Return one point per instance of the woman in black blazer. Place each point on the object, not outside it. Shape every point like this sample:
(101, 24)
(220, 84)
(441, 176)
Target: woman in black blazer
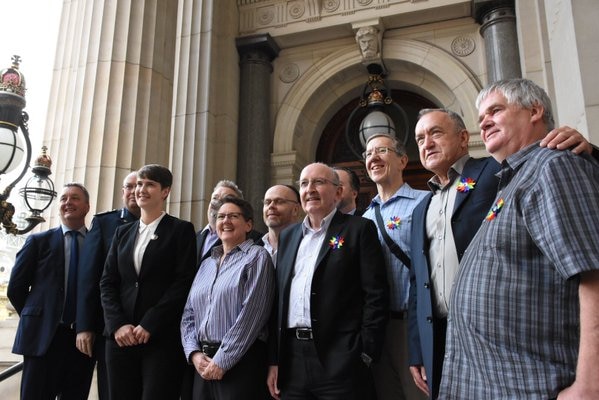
(144, 286)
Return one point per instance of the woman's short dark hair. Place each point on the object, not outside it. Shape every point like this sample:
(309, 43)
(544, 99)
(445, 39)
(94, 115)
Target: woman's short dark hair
(247, 211)
(156, 173)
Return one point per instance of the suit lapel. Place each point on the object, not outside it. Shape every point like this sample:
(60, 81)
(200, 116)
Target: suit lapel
(295, 238)
(472, 169)
(334, 230)
(161, 232)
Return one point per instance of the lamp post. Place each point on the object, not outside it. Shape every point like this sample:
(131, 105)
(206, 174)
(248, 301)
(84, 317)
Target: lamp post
(39, 192)
(374, 108)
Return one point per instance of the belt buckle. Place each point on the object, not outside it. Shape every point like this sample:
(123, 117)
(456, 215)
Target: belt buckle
(303, 334)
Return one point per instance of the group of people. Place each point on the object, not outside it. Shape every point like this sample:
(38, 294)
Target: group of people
(486, 286)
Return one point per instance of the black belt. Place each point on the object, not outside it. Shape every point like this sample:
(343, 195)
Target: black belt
(403, 314)
(210, 349)
(301, 333)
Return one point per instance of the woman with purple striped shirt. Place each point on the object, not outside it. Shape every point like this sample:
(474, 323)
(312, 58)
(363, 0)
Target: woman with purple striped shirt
(224, 324)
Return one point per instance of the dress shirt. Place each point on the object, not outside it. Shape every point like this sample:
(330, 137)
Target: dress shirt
(211, 238)
(514, 317)
(442, 253)
(400, 205)
(229, 303)
(67, 250)
(145, 234)
(303, 271)
(271, 250)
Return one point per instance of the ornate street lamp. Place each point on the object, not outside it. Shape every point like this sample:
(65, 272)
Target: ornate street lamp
(374, 108)
(39, 190)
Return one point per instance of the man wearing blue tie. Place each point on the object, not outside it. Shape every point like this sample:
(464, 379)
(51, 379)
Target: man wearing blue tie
(43, 290)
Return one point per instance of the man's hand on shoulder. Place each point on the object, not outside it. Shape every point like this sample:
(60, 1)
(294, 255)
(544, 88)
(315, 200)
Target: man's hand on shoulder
(564, 137)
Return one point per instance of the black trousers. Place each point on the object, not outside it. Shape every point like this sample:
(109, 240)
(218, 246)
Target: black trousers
(63, 371)
(245, 381)
(150, 371)
(101, 370)
(307, 379)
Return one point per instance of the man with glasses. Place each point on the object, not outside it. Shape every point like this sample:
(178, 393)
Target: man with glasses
(93, 255)
(385, 159)
(331, 309)
(281, 209)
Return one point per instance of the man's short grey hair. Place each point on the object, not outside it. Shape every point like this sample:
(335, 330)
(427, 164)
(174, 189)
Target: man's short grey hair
(523, 93)
(455, 117)
(231, 185)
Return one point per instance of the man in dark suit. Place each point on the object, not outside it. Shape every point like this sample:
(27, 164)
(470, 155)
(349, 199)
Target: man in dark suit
(329, 320)
(443, 225)
(43, 290)
(90, 316)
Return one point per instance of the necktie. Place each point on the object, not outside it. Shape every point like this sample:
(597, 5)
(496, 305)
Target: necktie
(70, 305)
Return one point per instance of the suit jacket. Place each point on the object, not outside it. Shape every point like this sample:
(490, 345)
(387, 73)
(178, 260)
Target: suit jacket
(349, 295)
(470, 209)
(36, 289)
(90, 316)
(154, 299)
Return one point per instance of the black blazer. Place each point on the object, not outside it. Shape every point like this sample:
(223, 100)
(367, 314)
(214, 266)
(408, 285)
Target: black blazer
(349, 303)
(90, 316)
(468, 213)
(36, 289)
(154, 299)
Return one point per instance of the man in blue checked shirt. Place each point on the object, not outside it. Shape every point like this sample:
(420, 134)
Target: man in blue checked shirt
(385, 159)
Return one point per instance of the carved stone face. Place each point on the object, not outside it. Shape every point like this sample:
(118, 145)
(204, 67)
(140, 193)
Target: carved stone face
(367, 39)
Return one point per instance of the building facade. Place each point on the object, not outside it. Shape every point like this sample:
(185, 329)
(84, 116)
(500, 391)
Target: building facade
(253, 90)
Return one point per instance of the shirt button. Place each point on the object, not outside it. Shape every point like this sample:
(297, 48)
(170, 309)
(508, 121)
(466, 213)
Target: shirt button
(440, 237)
(440, 211)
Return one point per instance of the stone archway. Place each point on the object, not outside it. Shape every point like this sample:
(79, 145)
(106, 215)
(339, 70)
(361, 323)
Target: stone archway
(337, 78)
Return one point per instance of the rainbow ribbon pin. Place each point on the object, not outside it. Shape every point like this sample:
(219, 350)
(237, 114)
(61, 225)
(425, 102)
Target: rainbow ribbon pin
(495, 210)
(466, 185)
(336, 242)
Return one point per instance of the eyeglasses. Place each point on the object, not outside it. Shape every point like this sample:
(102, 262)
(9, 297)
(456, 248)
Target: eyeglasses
(277, 202)
(378, 151)
(304, 183)
(232, 216)
(129, 187)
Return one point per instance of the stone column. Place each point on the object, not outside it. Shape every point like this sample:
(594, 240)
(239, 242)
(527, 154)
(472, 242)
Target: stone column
(255, 133)
(111, 98)
(498, 28)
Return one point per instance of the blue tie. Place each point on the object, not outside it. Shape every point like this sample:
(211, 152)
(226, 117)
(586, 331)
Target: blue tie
(70, 304)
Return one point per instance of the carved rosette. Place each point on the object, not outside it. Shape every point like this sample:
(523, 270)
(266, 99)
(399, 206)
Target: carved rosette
(265, 15)
(463, 46)
(289, 73)
(296, 9)
(330, 5)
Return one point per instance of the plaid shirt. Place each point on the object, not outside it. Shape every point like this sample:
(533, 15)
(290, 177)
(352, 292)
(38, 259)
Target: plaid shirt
(514, 311)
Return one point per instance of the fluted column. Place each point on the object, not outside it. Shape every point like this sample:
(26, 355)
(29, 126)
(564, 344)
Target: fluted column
(111, 95)
(255, 132)
(498, 28)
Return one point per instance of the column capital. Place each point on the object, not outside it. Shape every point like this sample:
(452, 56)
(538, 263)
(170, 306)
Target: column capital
(482, 8)
(263, 43)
